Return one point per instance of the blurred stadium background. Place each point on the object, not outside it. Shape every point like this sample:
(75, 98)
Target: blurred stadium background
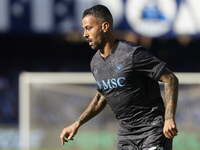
(46, 36)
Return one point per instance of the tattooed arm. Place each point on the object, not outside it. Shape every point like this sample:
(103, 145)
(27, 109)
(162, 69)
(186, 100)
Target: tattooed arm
(171, 86)
(95, 107)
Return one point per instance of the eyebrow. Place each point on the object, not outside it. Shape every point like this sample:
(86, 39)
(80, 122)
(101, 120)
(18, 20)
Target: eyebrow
(84, 27)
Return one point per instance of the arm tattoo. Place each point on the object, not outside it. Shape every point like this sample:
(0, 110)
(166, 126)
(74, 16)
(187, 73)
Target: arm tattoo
(95, 107)
(171, 95)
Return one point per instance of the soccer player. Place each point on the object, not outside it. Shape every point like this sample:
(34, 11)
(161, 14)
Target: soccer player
(127, 78)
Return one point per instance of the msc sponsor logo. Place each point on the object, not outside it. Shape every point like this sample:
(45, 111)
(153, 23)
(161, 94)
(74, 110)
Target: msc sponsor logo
(111, 83)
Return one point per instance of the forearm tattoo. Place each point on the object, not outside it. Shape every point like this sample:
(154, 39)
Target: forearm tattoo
(171, 96)
(96, 106)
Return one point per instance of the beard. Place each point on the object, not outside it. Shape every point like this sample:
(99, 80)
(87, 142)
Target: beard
(97, 46)
(99, 43)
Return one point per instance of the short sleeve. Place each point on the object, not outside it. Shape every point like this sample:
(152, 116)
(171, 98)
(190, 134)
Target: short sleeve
(144, 63)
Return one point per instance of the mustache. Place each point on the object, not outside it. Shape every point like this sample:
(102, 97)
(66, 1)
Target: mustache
(88, 39)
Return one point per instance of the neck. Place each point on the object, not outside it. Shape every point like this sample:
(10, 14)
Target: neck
(108, 47)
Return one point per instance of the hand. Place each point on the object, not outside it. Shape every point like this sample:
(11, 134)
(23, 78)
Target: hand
(170, 129)
(68, 133)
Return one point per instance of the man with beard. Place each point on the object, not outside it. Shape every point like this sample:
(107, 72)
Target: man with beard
(127, 80)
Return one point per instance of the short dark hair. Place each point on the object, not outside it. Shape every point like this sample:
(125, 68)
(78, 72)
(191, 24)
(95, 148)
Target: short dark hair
(101, 14)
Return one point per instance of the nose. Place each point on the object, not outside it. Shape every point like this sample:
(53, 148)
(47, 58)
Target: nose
(85, 34)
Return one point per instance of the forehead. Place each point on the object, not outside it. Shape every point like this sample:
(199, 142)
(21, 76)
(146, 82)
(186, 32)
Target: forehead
(89, 20)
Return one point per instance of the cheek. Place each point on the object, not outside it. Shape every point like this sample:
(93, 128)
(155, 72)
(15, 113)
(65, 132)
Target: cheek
(99, 36)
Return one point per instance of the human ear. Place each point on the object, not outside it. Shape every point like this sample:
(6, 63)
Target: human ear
(105, 26)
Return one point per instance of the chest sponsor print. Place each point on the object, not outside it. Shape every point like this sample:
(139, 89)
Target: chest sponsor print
(111, 83)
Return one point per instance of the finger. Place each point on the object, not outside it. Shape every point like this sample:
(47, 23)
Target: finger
(167, 135)
(70, 137)
(65, 140)
(174, 131)
(172, 134)
(62, 141)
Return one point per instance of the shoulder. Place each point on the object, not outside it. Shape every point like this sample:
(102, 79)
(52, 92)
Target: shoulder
(127, 49)
(128, 46)
(127, 43)
(134, 48)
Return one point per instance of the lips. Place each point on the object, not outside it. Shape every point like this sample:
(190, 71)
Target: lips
(90, 41)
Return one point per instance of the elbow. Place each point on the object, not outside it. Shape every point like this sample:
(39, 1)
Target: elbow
(175, 79)
(172, 80)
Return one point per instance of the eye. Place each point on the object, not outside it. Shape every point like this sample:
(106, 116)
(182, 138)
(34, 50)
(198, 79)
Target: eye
(88, 28)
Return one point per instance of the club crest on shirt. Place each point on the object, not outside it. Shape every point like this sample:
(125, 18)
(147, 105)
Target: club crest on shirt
(118, 67)
(95, 71)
